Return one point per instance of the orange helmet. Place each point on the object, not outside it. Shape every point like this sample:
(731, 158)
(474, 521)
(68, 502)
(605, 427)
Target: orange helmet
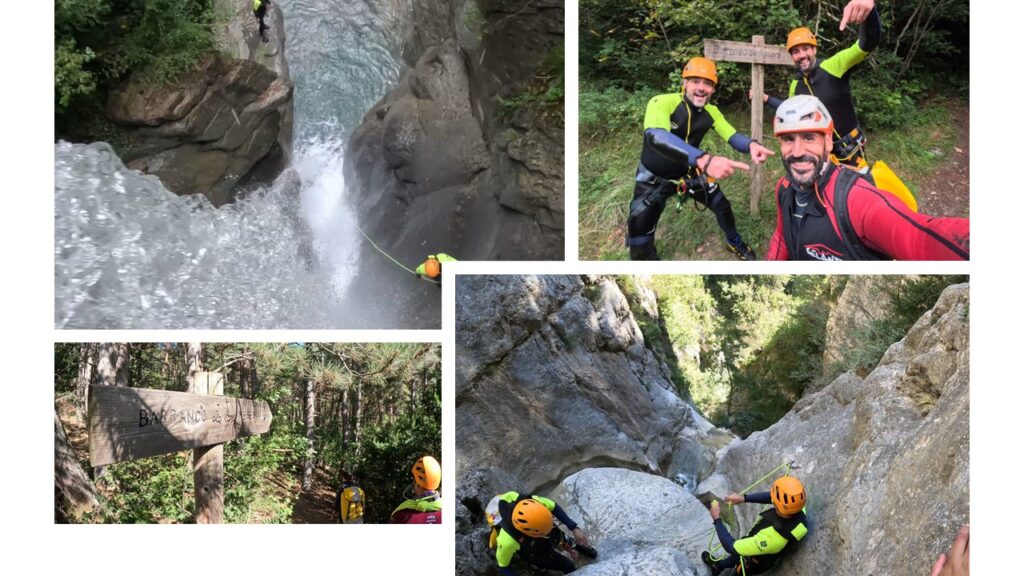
(788, 495)
(532, 518)
(432, 266)
(800, 36)
(426, 472)
(700, 67)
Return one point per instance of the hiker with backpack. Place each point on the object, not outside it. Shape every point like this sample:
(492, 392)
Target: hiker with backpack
(830, 212)
(524, 526)
(349, 501)
(424, 505)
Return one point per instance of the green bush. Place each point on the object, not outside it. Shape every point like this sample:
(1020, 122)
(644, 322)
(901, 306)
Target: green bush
(100, 43)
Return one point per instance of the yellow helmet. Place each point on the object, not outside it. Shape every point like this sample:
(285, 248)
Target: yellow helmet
(532, 518)
(700, 67)
(426, 472)
(800, 36)
(788, 495)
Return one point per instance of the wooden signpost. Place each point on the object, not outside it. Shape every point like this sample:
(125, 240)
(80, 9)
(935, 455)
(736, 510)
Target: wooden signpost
(130, 423)
(757, 54)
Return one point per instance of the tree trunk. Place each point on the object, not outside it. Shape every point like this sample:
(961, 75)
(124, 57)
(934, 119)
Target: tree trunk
(109, 357)
(193, 361)
(307, 472)
(247, 375)
(69, 478)
(86, 362)
(359, 415)
(208, 461)
(344, 416)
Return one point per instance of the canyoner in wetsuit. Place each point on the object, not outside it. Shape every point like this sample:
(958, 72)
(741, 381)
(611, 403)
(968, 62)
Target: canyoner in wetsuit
(829, 80)
(674, 126)
(525, 528)
(425, 505)
(776, 533)
(431, 267)
(827, 211)
(259, 10)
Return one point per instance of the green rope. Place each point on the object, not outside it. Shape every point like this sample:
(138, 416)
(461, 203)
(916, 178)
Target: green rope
(711, 536)
(388, 256)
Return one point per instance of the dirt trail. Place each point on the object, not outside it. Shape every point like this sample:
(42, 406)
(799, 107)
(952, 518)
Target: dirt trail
(946, 192)
(316, 505)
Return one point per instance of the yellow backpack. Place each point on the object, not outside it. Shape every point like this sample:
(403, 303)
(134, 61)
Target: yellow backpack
(352, 505)
(886, 179)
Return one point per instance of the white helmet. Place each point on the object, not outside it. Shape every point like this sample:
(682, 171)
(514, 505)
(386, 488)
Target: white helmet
(802, 113)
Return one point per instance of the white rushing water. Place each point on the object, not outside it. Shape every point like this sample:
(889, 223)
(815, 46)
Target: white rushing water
(131, 254)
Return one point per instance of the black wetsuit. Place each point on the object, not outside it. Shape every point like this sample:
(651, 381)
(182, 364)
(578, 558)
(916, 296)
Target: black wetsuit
(688, 124)
(829, 81)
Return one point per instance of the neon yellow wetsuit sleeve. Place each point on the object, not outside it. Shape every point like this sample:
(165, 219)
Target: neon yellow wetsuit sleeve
(838, 64)
(721, 125)
(842, 62)
(507, 548)
(767, 541)
(660, 109)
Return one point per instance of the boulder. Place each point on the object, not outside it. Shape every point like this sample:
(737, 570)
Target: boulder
(553, 376)
(217, 125)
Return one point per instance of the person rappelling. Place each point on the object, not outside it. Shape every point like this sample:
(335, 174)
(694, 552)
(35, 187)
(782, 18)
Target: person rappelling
(778, 531)
(431, 267)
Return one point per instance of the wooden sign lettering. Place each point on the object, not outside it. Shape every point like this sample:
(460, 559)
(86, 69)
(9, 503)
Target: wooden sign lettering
(727, 51)
(131, 423)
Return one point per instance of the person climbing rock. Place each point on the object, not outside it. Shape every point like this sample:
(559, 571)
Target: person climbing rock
(425, 505)
(349, 501)
(431, 267)
(776, 533)
(259, 9)
(526, 528)
(674, 127)
(829, 80)
(828, 211)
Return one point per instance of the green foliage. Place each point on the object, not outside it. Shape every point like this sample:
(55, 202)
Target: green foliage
(100, 43)
(612, 109)
(909, 298)
(70, 77)
(746, 346)
(150, 490)
(642, 44)
(248, 464)
(389, 453)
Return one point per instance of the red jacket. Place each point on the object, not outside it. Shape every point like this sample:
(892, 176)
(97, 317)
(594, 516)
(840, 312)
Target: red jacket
(882, 222)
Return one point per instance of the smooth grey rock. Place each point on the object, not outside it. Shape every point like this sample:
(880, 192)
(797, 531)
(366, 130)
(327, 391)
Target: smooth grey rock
(438, 165)
(885, 459)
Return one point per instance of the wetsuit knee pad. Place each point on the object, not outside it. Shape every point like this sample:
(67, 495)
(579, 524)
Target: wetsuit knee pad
(717, 201)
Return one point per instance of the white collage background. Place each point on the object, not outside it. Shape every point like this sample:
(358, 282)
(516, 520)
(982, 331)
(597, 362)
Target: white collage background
(33, 543)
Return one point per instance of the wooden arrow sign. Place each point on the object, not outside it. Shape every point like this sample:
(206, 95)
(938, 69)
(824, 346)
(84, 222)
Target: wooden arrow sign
(727, 51)
(131, 423)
